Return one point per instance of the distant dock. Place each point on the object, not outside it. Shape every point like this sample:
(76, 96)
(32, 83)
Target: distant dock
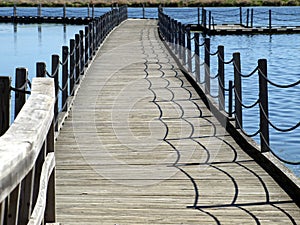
(46, 19)
(234, 29)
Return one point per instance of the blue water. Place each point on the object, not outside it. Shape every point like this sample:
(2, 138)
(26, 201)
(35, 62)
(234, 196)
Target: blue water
(24, 45)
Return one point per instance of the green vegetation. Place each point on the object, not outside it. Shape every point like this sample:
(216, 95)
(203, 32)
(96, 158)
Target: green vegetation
(152, 3)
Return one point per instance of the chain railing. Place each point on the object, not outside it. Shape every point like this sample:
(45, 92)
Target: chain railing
(179, 38)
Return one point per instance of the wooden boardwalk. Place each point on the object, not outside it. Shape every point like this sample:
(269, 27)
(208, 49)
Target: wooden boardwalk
(140, 147)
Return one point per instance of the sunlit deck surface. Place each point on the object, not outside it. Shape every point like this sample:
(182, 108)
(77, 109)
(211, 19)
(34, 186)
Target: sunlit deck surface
(140, 147)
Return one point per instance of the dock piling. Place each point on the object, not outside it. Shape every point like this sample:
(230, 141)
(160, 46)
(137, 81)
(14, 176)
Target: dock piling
(263, 106)
(20, 83)
(55, 75)
(197, 57)
(237, 90)
(5, 83)
(65, 64)
(221, 77)
(207, 64)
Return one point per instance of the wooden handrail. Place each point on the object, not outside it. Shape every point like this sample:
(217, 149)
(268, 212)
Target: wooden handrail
(24, 141)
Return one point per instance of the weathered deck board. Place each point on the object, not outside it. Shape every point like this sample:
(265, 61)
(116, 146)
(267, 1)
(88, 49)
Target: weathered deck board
(140, 147)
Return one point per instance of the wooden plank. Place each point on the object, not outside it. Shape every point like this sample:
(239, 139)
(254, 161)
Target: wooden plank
(140, 147)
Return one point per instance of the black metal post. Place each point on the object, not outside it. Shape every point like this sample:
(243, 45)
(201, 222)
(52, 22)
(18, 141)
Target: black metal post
(65, 51)
(221, 77)
(72, 66)
(86, 45)
(81, 52)
(77, 58)
(241, 16)
(5, 83)
(197, 57)
(20, 97)
(247, 23)
(270, 19)
(230, 99)
(207, 65)
(251, 18)
(40, 69)
(55, 74)
(264, 105)
(238, 90)
(189, 48)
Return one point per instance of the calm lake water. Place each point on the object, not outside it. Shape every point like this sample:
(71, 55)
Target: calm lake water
(24, 45)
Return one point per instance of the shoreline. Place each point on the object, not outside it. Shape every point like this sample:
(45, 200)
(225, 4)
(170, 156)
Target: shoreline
(152, 3)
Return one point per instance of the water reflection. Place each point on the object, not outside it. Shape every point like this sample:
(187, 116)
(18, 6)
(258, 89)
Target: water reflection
(40, 35)
(65, 32)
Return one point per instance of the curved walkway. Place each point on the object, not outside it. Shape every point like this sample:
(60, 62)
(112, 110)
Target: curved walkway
(140, 147)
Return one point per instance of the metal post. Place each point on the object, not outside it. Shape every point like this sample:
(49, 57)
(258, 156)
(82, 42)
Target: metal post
(5, 83)
(207, 65)
(40, 69)
(179, 40)
(15, 10)
(55, 74)
(93, 11)
(241, 16)
(168, 29)
(91, 40)
(143, 11)
(221, 77)
(183, 44)
(270, 19)
(172, 30)
(77, 58)
(189, 48)
(209, 21)
(88, 10)
(238, 89)
(97, 33)
(95, 37)
(198, 10)
(202, 19)
(86, 45)
(65, 65)
(197, 57)
(230, 99)
(64, 11)
(39, 10)
(247, 22)
(176, 36)
(251, 18)
(204, 23)
(72, 66)
(81, 52)
(20, 82)
(264, 108)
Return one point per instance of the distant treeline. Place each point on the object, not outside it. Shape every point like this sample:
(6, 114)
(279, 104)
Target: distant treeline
(151, 3)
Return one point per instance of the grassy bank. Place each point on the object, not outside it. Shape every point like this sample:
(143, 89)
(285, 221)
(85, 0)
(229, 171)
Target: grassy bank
(151, 3)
